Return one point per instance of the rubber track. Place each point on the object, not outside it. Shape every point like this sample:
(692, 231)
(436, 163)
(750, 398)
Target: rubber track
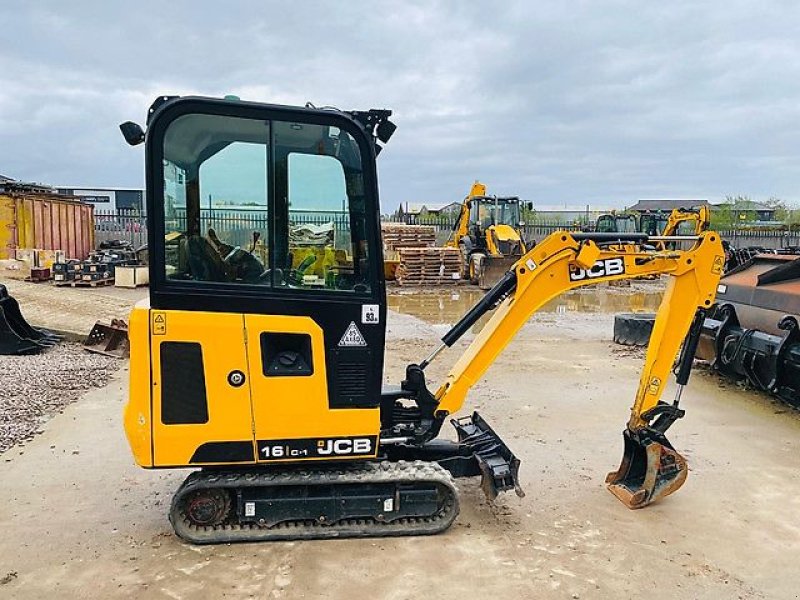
(383, 472)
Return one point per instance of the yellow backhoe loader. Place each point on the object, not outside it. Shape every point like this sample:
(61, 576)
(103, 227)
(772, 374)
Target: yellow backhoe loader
(267, 382)
(488, 236)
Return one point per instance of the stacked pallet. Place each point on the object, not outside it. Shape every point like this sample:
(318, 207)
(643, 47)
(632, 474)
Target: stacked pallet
(428, 266)
(398, 235)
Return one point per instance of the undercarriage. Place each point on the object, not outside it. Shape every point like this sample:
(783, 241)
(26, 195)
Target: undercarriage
(372, 499)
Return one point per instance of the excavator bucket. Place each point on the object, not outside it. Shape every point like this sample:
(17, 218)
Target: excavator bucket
(111, 340)
(17, 336)
(650, 469)
(492, 270)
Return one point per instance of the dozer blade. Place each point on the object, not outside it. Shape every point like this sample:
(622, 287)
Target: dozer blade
(111, 340)
(650, 469)
(498, 465)
(493, 268)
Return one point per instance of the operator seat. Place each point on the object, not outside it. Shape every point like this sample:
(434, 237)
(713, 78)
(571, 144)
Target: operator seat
(205, 263)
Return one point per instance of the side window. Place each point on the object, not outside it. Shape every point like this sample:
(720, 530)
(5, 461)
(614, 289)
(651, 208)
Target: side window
(216, 200)
(325, 219)
(268, 203)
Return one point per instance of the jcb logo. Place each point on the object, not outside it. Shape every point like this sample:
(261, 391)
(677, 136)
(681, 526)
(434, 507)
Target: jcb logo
(609, 266)
(344, 447)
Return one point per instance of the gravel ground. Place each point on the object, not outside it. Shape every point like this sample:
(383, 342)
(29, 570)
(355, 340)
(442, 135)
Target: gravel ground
(34, 388)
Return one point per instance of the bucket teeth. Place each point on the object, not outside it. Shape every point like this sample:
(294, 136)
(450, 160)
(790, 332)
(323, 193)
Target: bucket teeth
(650, 469)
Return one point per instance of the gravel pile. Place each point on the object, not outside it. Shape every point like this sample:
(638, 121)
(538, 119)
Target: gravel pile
(34, 388)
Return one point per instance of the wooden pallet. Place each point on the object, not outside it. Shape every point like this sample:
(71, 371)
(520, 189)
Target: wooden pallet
(80, 283)
(428, 266)
(397, 235)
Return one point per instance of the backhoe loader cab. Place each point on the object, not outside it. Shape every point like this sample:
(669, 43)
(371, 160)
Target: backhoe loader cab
(258, 359)
(613, 223)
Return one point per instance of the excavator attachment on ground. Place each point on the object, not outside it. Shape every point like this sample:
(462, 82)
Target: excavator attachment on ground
(753, 333)
(17, 336)
(258, 359)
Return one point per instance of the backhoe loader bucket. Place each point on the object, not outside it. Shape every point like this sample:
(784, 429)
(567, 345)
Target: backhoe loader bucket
(111, 340)
(650, 469)
(492, 270)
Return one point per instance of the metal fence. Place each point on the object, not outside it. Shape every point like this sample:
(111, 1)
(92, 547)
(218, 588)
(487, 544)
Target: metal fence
(128, 225)
(764, 239)
(236, 226)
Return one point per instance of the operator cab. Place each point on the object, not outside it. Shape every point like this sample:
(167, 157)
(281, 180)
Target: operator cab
(610, 223)
(485, 211)
(272, 205)
(259, 209)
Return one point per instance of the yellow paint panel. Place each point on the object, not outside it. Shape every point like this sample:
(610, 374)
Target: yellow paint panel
(221, 336)
(137, 410)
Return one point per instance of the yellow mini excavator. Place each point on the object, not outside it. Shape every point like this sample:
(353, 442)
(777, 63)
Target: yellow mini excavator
(488, 236)
(262, 371)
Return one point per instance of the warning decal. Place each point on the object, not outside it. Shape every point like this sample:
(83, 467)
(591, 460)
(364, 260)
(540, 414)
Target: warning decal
(352, 337)
(159, 323)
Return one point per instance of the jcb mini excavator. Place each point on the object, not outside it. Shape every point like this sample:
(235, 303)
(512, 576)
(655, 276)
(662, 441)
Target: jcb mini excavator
(488, 236)
(267, 382)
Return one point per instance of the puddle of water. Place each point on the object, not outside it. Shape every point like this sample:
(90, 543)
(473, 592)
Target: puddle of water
(443, 306)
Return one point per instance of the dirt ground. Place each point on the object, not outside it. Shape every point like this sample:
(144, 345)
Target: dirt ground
(79, 520)
(71, 310)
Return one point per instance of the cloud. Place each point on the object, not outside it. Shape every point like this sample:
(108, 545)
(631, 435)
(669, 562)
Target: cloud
(582, 102)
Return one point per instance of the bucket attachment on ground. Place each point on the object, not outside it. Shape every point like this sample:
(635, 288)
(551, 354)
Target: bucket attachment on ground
(111, 340)
(498, 465)
(17, 336)
(650, 469)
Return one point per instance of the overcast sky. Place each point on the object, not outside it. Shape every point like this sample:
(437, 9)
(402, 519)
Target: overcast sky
(599, 102)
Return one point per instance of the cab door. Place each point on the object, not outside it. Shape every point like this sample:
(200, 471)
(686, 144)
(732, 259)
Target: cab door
(293, 416)
(201, 398)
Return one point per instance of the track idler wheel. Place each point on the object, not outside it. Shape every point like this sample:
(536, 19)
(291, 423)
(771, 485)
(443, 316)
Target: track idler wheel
(207, 508)
(650, 469)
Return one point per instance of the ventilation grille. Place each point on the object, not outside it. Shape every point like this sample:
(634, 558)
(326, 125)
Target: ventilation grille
(351, 381)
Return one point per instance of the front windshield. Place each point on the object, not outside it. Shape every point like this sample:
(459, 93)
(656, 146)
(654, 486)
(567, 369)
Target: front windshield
(499, 211)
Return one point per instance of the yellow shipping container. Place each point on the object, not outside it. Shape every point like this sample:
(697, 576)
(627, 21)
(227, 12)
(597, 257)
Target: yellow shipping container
(45, 222)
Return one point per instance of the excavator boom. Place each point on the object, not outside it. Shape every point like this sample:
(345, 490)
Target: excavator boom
(650, 468)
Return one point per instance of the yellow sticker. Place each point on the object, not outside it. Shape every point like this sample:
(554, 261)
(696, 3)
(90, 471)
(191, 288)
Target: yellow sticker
(159, 323)
(655, 383)
(719, 263)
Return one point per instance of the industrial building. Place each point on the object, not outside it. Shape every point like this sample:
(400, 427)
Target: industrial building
(107, 199)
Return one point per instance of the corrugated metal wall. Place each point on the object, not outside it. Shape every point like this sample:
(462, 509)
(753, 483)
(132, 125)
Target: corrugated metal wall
(45, 222)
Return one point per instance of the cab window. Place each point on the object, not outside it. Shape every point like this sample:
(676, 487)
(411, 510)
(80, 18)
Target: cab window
(265, 203)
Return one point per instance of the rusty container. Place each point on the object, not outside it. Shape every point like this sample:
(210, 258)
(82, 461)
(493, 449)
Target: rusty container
(45, 222)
